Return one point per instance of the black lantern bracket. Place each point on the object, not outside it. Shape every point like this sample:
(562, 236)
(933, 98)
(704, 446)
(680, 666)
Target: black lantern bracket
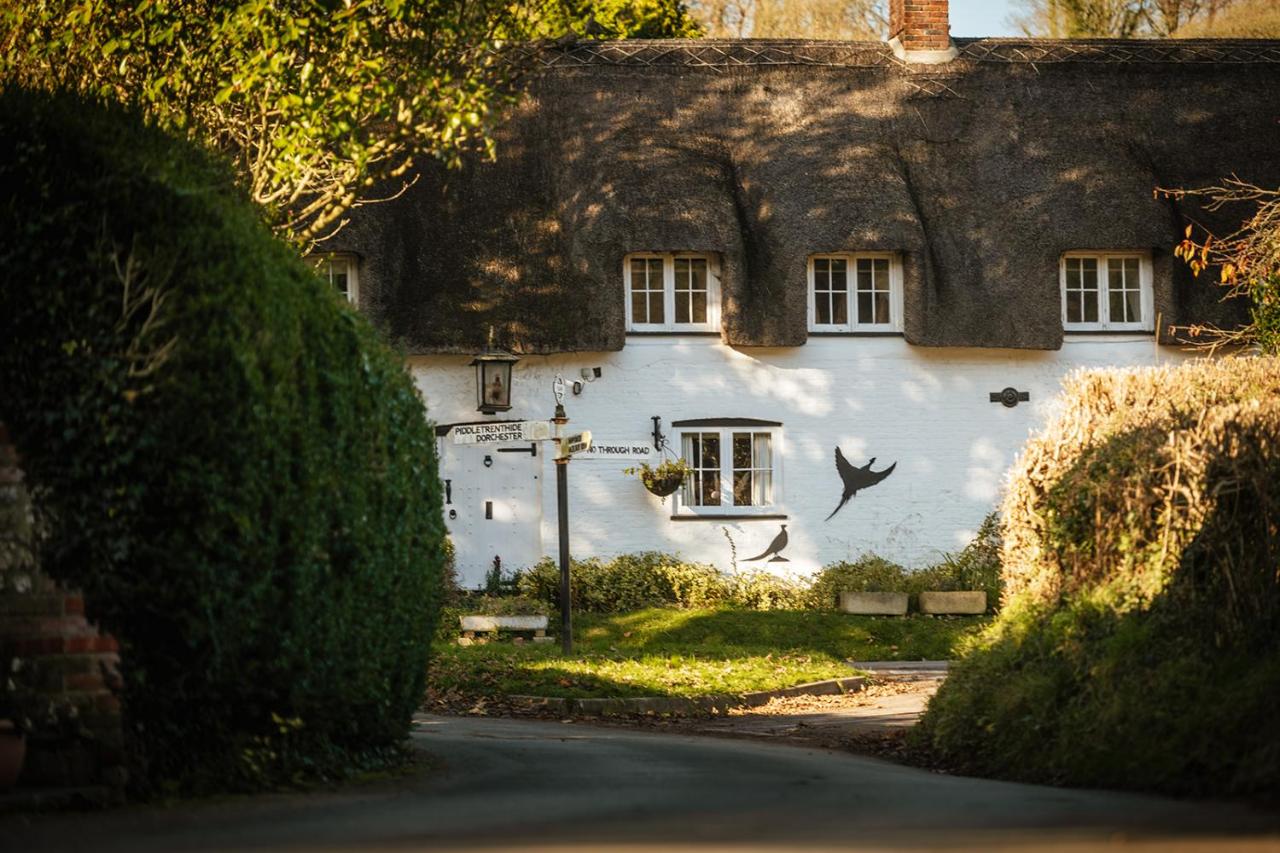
(658, 438)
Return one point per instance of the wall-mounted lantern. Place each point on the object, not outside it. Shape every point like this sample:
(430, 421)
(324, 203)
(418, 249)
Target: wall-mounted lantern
(493, 378)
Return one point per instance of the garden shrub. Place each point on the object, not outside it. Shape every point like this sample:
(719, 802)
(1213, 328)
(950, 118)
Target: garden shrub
(761, 590)
(629, 582)
(1139, 644)
(976, 567)
(868, 573)
(228, 462)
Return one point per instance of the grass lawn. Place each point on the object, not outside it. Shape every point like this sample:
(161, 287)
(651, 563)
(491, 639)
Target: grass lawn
(665, 652)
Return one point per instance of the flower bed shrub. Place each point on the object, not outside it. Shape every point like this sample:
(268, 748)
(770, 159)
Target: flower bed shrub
(868, 573)
(229, 463)
(1138, 645)
(653, 579)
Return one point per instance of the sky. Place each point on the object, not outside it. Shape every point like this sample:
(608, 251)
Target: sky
(981, 18)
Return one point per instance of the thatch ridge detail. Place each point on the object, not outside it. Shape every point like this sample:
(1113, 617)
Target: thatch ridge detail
(728, 53)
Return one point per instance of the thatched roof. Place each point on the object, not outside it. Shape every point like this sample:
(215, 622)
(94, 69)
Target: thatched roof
(980, 172)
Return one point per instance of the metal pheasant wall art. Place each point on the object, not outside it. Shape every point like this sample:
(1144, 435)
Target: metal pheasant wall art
(856, 479)
(775, 549)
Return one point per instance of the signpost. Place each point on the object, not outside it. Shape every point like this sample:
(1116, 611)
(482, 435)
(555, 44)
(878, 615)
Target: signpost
(499, 433)
(621, 451)
(568, 445)
(575, 443)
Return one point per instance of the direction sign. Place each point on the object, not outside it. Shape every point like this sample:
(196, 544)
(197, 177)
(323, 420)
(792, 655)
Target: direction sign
(575, 443)
(498, 433)
(640, 450)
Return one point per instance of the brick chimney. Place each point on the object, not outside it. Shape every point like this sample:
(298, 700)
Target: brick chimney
(920, 31)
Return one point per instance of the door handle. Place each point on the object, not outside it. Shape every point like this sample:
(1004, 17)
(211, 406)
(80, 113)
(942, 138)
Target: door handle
(488, 509)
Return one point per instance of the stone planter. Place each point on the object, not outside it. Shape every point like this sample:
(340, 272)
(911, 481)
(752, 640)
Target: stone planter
(874, 603)
(954, 603)
(483, 624)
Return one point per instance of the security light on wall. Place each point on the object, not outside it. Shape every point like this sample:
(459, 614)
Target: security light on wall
(493, 378)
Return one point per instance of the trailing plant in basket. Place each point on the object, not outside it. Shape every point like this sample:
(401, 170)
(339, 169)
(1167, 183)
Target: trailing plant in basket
(663, 479)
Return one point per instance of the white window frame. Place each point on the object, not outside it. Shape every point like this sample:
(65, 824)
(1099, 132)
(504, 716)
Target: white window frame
(669, 293)
(323, 267)
(855, 324)
(1104, 324)
(726, 472)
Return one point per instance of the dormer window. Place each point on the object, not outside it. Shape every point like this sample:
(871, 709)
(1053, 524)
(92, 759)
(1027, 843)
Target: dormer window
(855, 293)
(1107, 292)
(672, 292)
(340, 271)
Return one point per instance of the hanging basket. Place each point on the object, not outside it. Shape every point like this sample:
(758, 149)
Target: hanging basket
(664, 486)
(664, 479)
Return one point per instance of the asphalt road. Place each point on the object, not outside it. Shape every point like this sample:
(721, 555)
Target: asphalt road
(525, 785)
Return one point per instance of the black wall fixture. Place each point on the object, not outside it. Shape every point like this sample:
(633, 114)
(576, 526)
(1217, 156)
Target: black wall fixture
(856, 479)
(1010, 397)
(658, 438)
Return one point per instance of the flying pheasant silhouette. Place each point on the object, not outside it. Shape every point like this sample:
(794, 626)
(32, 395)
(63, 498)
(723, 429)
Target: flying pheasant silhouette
(857, 478)
(775, 547)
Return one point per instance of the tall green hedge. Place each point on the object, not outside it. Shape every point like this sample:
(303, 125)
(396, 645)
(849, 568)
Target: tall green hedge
(225, 458)
(1140, 643)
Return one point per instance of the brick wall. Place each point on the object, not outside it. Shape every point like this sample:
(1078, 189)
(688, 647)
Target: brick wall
(920, 24)
(69, 669)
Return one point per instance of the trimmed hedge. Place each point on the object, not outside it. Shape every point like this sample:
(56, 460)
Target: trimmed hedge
(1140, 643)
(225, 457)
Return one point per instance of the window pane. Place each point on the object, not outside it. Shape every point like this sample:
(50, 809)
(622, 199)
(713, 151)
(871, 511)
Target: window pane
(1090, 303)
(657, 311)
(1117, 305)
(840, 304)
(762, 495)
(821, 268)
(864, 276)
(865, 310)
(822, 308)
(638, 306)
(882, 306)
(1133, 300)
(742, 465)
(1115, 276)
(639, 279)
(682, 274)
(682, 304)
(699, 314)
(702, 453)
(1075, 306)
(839, 274)
(881, 267)
(698, 272)
(1089, 273)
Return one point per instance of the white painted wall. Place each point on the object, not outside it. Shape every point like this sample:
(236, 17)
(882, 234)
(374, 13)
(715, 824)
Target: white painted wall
(925, 408)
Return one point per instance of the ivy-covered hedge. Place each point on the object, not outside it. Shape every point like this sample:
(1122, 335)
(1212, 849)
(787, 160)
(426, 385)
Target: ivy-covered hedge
(225, 458)
(1139, 645)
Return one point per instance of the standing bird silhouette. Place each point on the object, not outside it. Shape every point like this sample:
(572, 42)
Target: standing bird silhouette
(856, 478)
(775, 547)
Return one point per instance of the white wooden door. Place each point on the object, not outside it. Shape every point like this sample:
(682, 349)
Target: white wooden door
(493, 506)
